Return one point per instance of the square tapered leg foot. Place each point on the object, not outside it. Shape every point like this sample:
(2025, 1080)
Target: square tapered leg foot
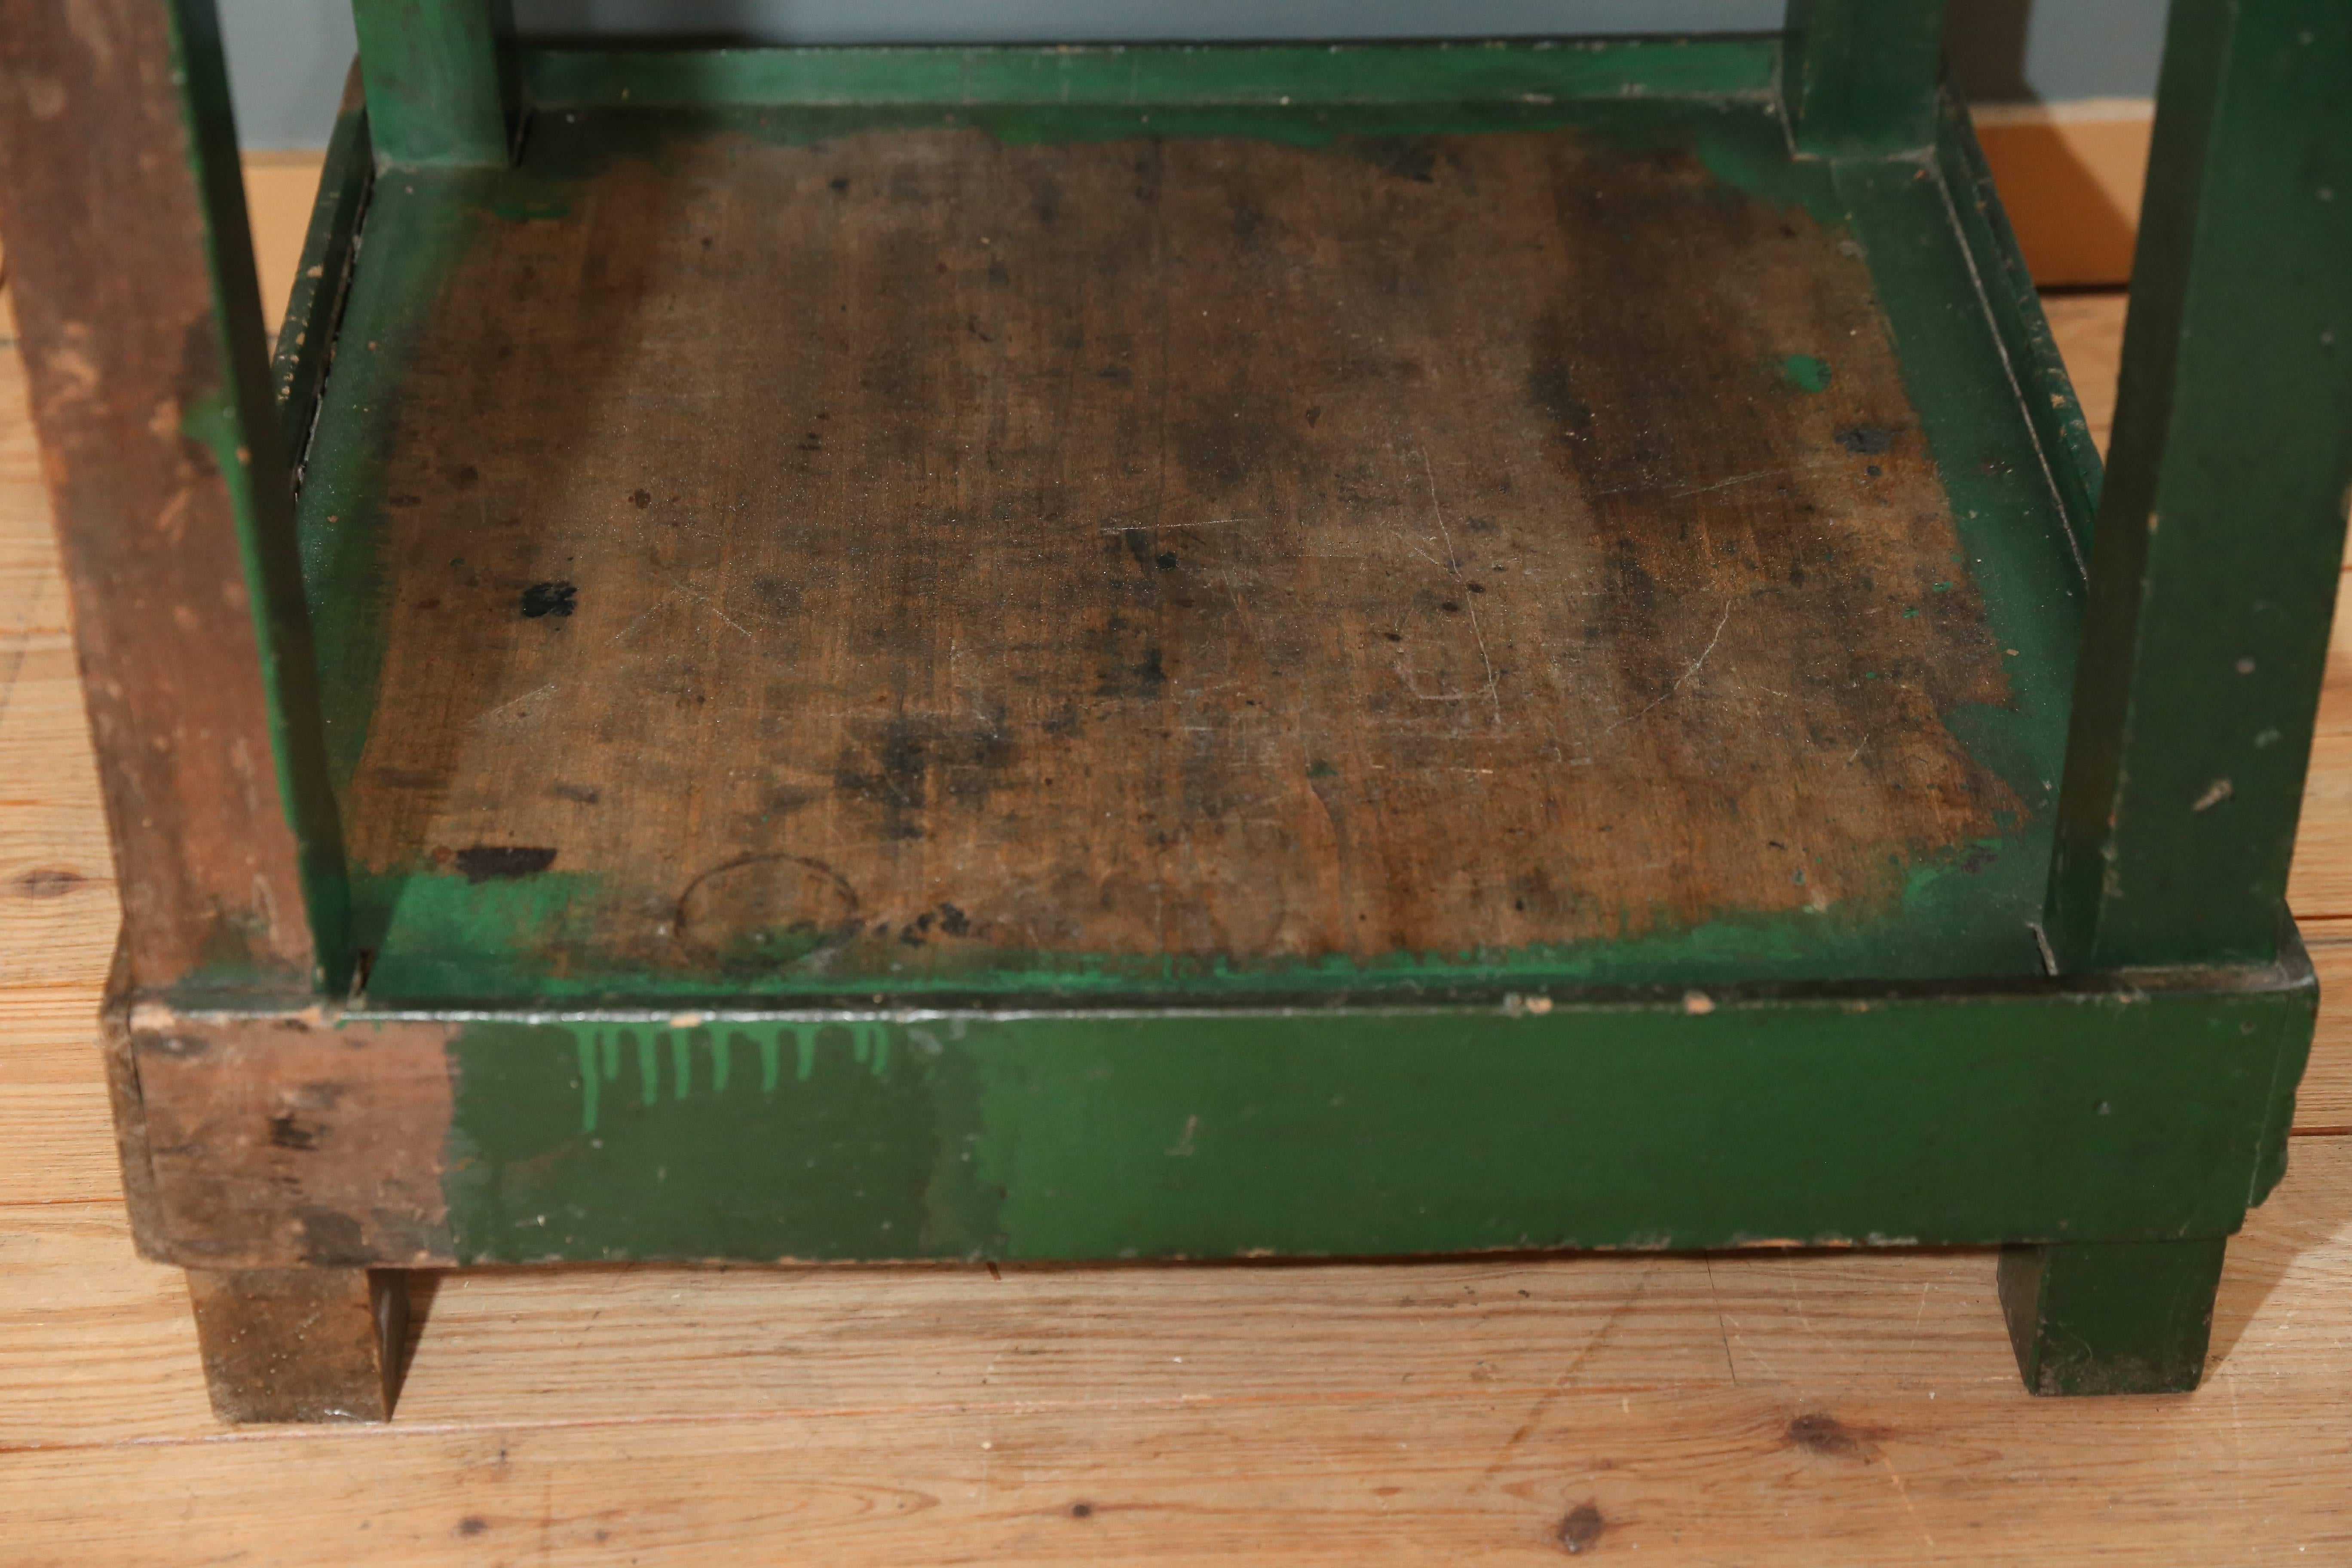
(300, 1344)
(2111, 1317)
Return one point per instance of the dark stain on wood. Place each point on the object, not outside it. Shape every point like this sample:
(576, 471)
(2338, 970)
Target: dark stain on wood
(275, 1142)
(1825, 1434)
(1214, 548)
(1580, 1529)
(49, 882)
(501, 862)
(550, 599)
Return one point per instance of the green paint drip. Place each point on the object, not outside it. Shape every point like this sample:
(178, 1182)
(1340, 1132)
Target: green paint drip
(681, 1060)
(1805, 372)
(857, 1043)
(769, 1046)
(648, 1068)
(588, 1083)
(611, 1048)
(881, 1049)
(720, 1064)
(804, 1036)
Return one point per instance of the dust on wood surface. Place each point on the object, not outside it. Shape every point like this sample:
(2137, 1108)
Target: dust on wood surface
(940, 547)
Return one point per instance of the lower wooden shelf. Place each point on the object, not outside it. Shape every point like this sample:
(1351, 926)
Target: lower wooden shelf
(1178, 551)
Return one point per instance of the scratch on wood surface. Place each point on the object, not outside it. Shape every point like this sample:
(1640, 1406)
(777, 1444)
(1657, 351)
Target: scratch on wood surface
(1205, 522)
(1469, 601)
(1722, 1327)
(1559, 1384)
(512, 701)
(1681, 680)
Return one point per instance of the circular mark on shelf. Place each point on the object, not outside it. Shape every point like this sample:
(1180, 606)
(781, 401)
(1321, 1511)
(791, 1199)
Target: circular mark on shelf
(766, 909)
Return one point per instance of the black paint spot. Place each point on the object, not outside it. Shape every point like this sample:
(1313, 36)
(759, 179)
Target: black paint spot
(1865, 440)
(48, 882)
(1082, 1510)
(1478, 588)
(1580, 1531)
(548, 599)
(1314, 418)
(1449, 607)
(1393, 637)
(641, 499)
(498, 862)
(286, 1133)
(472, 1524)
(466, 477)
(1166, 563)
(954, 921)
(1873, 470)
(893, 766)
(838, 185)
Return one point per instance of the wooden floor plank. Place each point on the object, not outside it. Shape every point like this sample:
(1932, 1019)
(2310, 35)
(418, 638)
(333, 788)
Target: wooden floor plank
(1759, 1410)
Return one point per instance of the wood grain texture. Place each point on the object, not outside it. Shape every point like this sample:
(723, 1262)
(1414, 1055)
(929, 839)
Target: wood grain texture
(1777, 1409)
(2324, 1100)
(1261, 559)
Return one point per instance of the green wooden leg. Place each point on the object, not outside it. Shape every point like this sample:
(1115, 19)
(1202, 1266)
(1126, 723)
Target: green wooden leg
(2111, 1317)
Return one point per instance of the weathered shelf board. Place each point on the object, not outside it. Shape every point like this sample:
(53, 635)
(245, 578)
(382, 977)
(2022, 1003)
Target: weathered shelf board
(1207, 551)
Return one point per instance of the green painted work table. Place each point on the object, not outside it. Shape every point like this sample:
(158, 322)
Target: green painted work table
(1184, 653)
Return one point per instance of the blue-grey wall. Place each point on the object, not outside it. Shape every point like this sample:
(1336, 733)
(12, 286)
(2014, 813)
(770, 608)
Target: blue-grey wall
(286, 57)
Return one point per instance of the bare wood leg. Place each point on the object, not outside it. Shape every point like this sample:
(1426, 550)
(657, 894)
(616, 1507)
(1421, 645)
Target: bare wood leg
(300, 1344)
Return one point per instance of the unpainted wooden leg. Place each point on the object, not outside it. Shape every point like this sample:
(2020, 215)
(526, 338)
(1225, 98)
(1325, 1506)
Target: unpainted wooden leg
(300, 1344)
(2111, 1317)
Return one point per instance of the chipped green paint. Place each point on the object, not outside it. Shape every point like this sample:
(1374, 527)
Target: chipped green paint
(1806, 372)
(2026, 1111)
